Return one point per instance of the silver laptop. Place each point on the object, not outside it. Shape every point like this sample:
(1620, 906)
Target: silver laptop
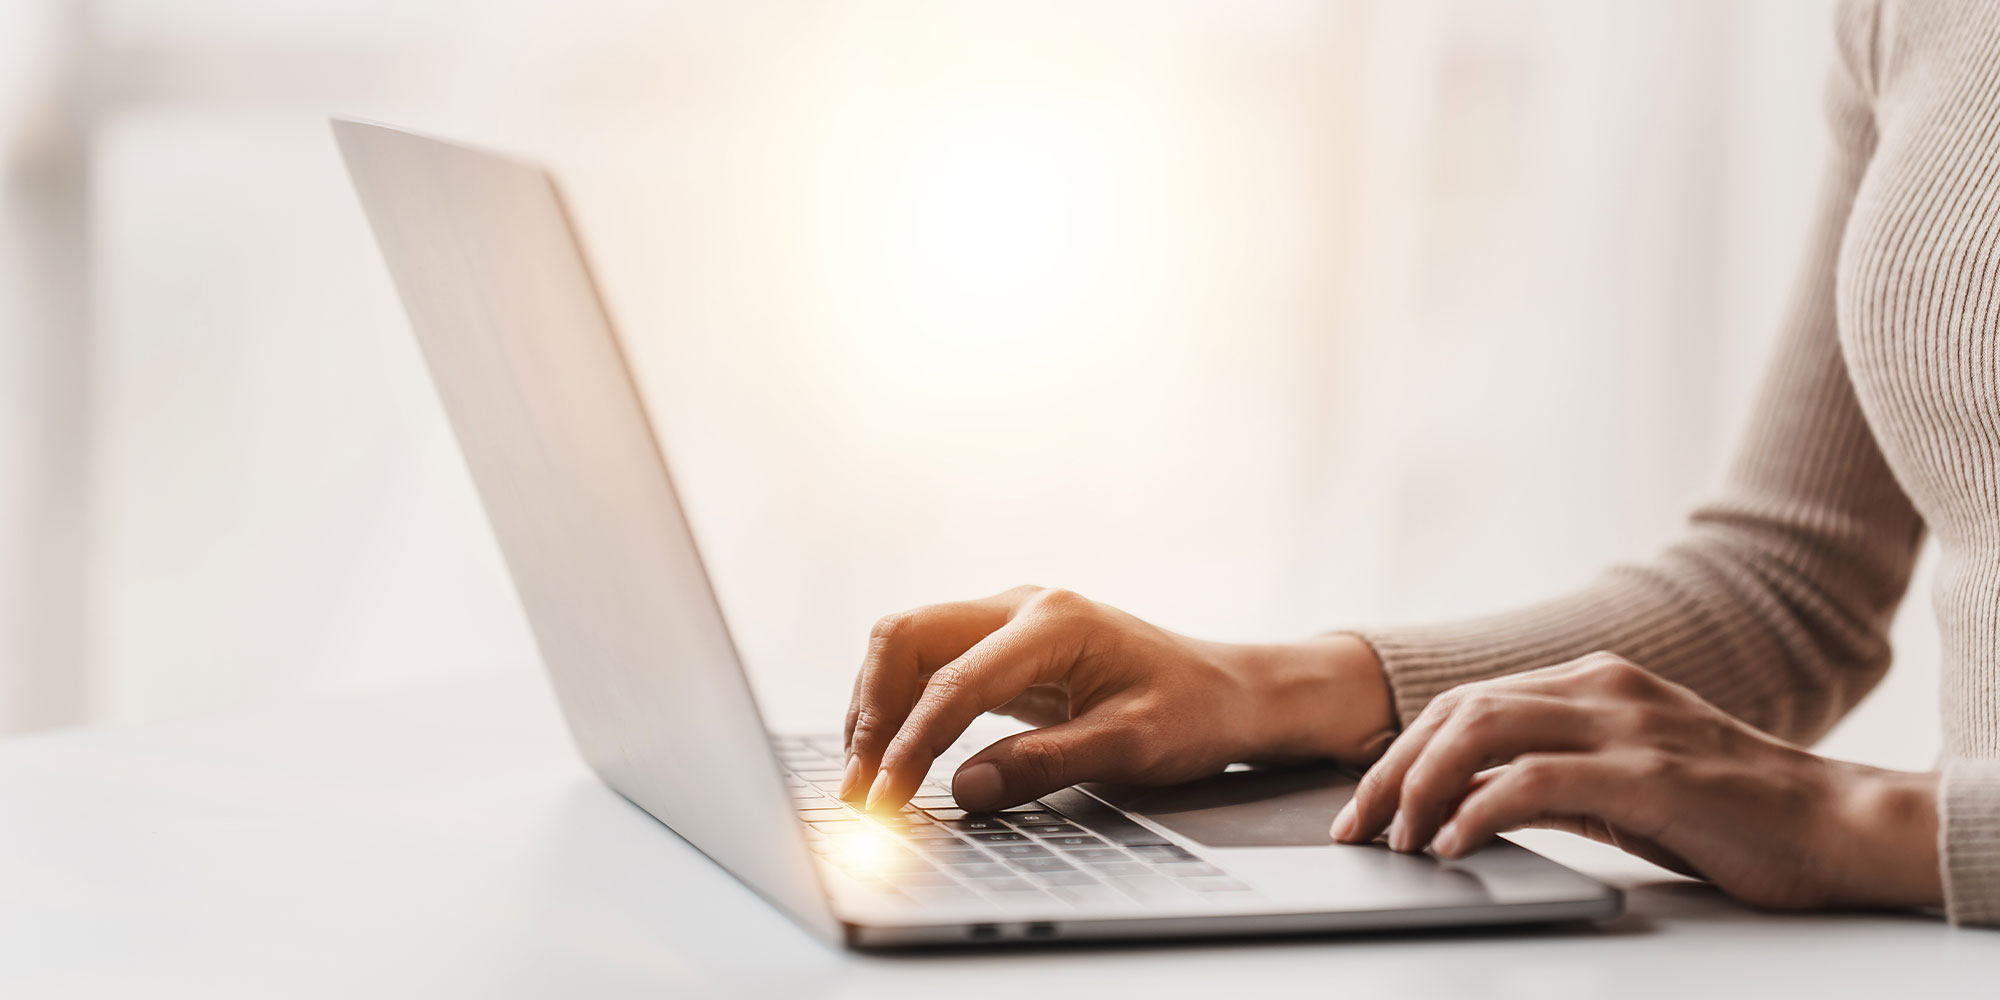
(543, 403)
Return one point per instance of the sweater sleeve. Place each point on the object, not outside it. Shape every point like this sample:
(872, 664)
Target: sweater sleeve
(1775, 602)
(1969, 840)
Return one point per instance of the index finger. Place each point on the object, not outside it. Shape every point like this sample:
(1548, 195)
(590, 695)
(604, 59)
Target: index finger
(902, 650)
(1028, 650)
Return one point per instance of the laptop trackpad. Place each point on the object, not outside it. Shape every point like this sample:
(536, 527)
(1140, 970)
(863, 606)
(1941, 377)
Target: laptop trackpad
(1255, 807)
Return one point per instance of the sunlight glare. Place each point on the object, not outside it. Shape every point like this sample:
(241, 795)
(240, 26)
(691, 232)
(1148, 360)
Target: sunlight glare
(869, 849)
(986, 228)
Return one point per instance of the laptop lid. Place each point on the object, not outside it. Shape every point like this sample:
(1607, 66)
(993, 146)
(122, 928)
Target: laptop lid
(539, 395)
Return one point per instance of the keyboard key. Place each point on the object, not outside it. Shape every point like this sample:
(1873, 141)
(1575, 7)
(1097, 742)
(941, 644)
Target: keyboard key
(1132, 835)
(1081, 843)
(1163, 854)
(809, 792)
(1007, 885)
(1098, 855)
(812, 813)
(976, 824)
(838, 825)
(818, 774)
(939, 813)
(1020, 851)
(1118, 869)
(928, 832)
(999, 837)
(1035, 806)
(902, 879)
(1040, 865)
(934, 802)
(957, 858)
(1150, 889)
(982, 869)
(1051, 830)
(1071, 877)
(1027, 819)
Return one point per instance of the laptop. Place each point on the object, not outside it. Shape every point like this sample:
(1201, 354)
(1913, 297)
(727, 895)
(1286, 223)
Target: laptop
(538, 391)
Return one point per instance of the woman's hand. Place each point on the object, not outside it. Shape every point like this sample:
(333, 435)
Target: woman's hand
(1116, 699)
(1602, 747)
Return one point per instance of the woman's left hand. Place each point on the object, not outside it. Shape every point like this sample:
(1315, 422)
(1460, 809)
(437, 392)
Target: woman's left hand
(1604, 748)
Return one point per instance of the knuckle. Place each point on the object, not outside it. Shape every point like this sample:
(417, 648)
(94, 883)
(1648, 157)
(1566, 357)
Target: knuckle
(867, 725)
(889, 630)
(1420, 786)
(1370, 784)
(1533, 776)
(1040, 757)
(950, 683)
(1478, 715)
(1444, 704)
(1061, 603)
(1654, 766)
(1617, 674)
(1635, 722)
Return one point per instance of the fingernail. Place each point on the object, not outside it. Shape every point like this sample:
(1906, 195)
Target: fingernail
(977, 786)
(877, 790)
(1343, 824)
(1397, 838)
(849, 778)
(1446, 841)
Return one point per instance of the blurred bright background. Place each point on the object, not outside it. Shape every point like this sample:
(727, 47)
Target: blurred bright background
(1256, 318)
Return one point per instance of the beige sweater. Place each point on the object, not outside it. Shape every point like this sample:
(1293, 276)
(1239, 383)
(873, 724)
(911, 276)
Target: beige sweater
(1879, 418)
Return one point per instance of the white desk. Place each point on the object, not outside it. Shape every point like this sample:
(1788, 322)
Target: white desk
(446, 842)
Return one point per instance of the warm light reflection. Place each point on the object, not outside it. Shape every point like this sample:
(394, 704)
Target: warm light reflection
(866, 849)
(980, 231)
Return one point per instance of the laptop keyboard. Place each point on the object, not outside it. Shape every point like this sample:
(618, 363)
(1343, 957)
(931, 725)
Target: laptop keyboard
(1067, 846)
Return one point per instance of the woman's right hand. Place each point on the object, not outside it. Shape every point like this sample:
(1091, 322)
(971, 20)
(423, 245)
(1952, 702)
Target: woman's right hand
(1115, 699)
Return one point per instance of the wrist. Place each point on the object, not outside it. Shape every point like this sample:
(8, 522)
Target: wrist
(1324, 697)
(1890, 822)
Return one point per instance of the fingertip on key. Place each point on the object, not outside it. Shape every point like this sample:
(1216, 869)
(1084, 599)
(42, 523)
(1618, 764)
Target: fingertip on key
(1343, 824)
(850, 779)
(1447, 842)
(877, 791)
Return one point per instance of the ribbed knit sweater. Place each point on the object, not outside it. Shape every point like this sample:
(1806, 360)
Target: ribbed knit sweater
(1878, 419)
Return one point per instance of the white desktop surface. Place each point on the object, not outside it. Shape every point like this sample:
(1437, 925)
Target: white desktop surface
(445, 841)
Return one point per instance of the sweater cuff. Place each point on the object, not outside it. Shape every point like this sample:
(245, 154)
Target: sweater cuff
(1969, 840)
(1419, 665)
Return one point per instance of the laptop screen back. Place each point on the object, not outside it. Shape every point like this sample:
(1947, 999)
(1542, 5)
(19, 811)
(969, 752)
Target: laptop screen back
(572, 478)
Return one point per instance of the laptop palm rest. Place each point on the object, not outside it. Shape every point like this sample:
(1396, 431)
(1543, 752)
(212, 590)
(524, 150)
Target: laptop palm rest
(1253, 807)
